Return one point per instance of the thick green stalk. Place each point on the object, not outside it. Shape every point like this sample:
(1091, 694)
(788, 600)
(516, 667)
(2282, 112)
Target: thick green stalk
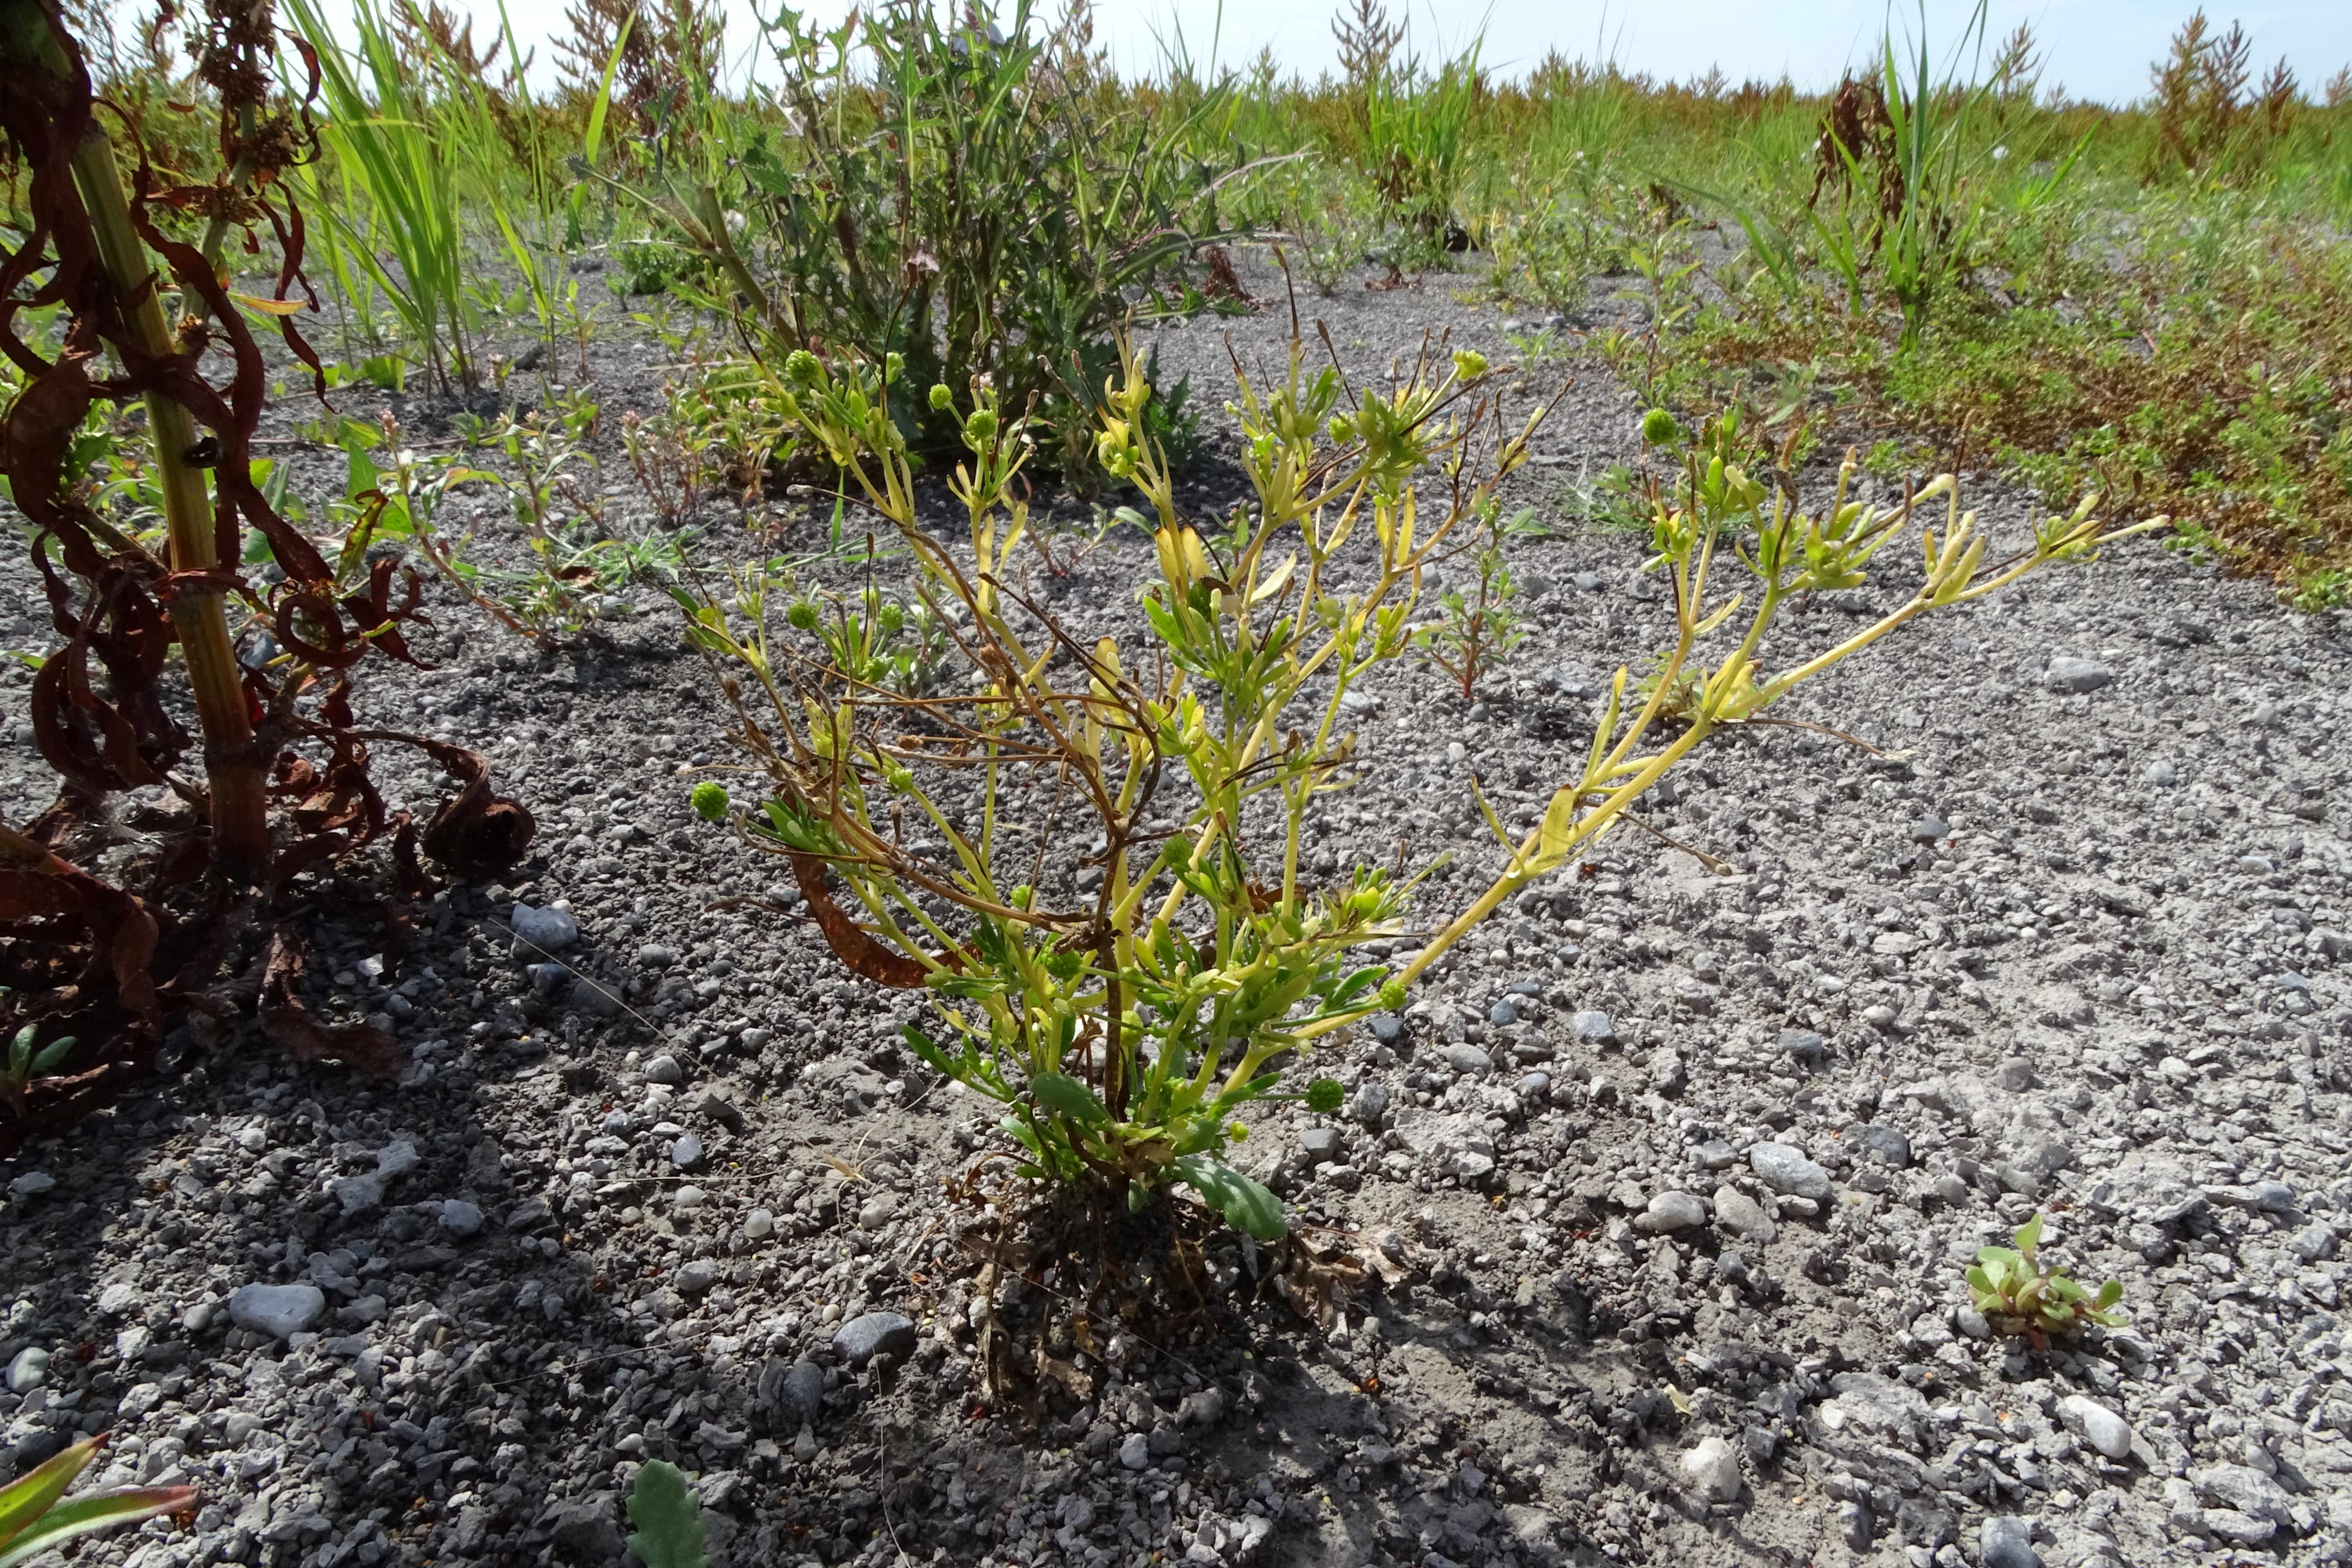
(233, 766)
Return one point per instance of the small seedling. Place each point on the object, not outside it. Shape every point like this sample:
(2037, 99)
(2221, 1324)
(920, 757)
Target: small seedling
(668, 1520)
(2016, 1291)
(27, 1062)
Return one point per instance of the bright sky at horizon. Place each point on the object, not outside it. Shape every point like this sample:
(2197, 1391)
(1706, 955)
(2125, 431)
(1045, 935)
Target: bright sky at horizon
(2099, 49)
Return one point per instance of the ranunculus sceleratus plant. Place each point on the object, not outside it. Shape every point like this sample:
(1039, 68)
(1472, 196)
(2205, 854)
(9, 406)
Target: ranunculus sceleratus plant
(1128, 1028)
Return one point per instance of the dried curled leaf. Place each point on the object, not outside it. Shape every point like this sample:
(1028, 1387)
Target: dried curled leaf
(290, 1023)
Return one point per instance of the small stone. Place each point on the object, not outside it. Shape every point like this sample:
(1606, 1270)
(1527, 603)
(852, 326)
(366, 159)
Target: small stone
(587, 996)
(653, 955)
(2313, 1241)
(798, 1392)
(2245, 1490)
(29, 1369)
(1468, 1060)
(1712, 1470)
(760, 1225)
(1884, 1144)
(1971, 1322)
(1203, 1407)
(1715, 1155)
(2077, 675)
(1669, 1211)
(2161, 774)
(2273, 1197)
(1593, 1027)
(1786, 1170)
(1855, 1524)
(877, 1211)
(686, 1153)
(279, 1311)
(1320, 1144)
(1929, 828)
(117, 1298)
(2097, 1425)
(585, 1531)
(2015, 1074)
(32, 1184)
(687, 1198)
(549, 930)
(1372, 1104)
(697, 1276)
(459, 1217)
(663, 1068)
(1387, 1028)
(1135, 1451)
(1742, 1216)
(2007, 1541)
(1804, 1046)
(863, 1337)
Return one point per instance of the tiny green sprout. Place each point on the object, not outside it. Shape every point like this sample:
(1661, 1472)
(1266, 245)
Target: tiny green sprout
(1021, 896)
(1392, 994)
(941, 398)
(709, 798)
(1323, 1096)
(802, 615)
(2019, 1291)
(1659, 428)
(670, 1531)
(900, 778)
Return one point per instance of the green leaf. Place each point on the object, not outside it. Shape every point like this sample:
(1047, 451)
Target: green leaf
(51, 1055)
(1245, 1205)
(667, 1517)
(1065, 1096)
(2029, 1235)
(25, 1499)
(84, 1515)
(933, 1057)
(2109, 1294)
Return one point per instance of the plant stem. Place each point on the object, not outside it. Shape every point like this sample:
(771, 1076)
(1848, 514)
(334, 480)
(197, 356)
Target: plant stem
(232, 765)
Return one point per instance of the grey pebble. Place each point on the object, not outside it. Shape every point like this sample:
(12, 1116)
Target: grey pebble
(2007, 1541)
(279, 1311)
(870, 1334)
(549, 930)
(1786, 1170)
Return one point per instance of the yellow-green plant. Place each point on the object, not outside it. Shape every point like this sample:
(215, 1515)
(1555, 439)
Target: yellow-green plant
(2017, 1288)
(36, 1517)
(1126, 1018)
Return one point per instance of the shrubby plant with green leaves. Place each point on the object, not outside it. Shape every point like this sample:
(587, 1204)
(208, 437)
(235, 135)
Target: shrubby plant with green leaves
(2017, 1289)
(1130, 1021)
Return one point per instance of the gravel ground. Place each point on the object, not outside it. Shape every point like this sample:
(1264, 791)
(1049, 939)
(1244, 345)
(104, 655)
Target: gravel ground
(1671, 1176)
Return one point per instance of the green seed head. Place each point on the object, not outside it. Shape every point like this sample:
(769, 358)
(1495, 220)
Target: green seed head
(1658, 427)
(941, 398)
(802, 616)
(1323, 1096)
(709, 798)
(1392, 995)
